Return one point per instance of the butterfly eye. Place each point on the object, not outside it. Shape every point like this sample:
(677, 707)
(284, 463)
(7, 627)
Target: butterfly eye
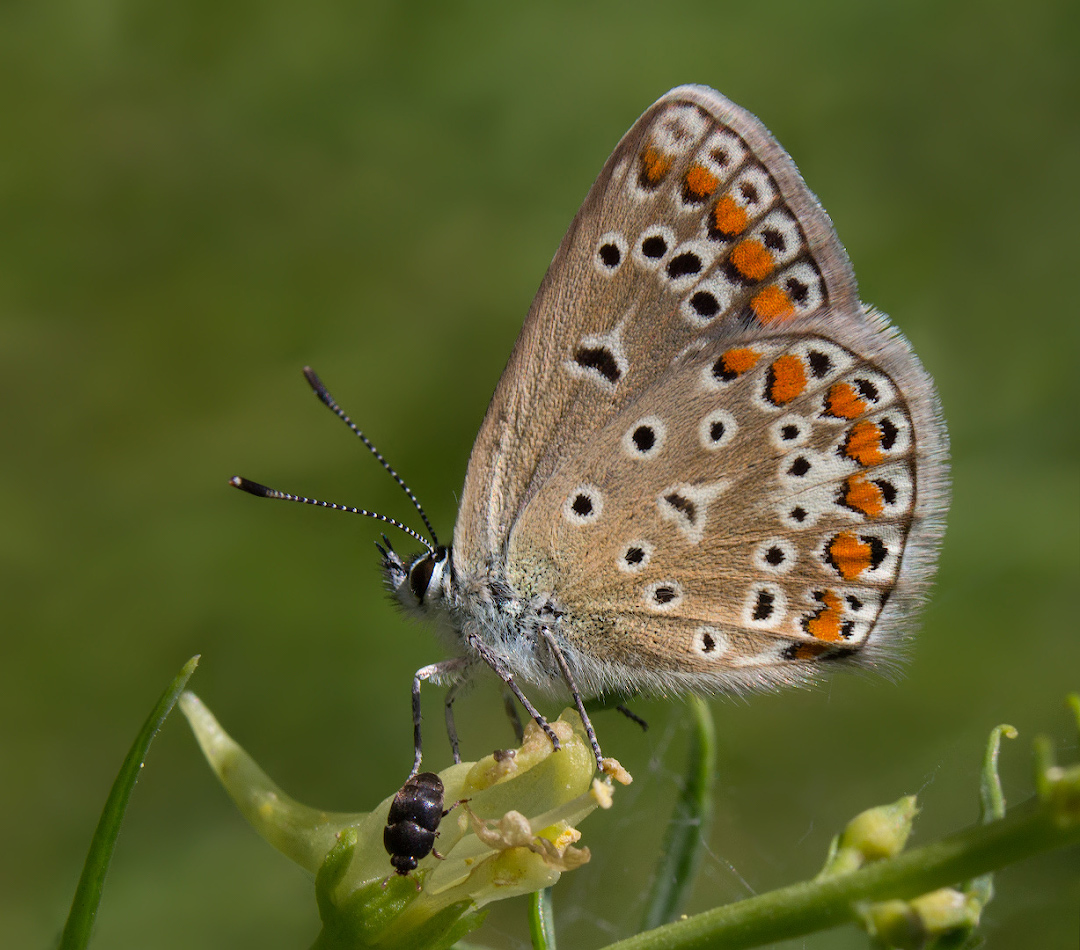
(420, 576)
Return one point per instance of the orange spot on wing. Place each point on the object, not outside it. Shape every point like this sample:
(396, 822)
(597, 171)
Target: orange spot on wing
(825, 624)
(700, 182)
(849, 555)
(863, 444)
(654, 165)
(740, 360)
(863, 495)
(752, 259)
(807, 651)
(787, 379)
(728, 217)
(843, 402)
(772, 305)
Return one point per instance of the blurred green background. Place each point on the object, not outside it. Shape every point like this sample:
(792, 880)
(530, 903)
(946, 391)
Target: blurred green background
(197, 199)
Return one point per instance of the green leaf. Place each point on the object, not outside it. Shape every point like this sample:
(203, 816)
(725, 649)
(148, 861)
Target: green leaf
(84, 907)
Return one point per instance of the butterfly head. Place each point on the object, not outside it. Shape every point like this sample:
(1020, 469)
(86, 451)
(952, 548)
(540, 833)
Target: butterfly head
(420, 583)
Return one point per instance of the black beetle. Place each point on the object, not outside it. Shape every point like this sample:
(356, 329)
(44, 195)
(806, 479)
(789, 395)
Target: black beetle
(413, 822)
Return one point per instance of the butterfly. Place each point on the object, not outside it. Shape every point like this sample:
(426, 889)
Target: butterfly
(707, 466)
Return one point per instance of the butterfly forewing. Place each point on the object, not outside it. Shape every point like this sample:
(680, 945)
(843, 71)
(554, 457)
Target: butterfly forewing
(698, 224)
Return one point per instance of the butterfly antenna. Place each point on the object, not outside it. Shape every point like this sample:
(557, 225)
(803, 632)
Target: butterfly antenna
(324, 396)
(261, 491)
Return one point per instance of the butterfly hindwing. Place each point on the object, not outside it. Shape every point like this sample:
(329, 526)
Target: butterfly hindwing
(743, 519)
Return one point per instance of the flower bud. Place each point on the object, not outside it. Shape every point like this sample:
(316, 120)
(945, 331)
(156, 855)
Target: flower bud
(911, 925)
(874, 834)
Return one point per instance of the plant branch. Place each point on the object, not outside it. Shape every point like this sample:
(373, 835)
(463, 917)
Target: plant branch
(1029, 829)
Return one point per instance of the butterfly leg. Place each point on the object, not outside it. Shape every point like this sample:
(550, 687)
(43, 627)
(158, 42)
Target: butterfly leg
(633, 716)
(451, 670)
(451, 730)
(512, 715)
(507, 677)
(564, 668)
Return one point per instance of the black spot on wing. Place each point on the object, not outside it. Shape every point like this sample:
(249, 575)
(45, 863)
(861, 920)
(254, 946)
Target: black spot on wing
(599, 359)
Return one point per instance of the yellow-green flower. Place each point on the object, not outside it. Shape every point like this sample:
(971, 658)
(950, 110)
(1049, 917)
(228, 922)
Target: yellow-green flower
(515, 833)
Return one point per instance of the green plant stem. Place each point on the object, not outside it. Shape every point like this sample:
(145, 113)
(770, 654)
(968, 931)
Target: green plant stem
(991, 796)
(541, 920)
(810, 906)
(80, 921)
(689, 825)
